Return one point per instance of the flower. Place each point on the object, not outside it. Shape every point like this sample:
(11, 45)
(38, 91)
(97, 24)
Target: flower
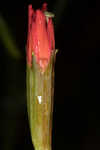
(40, 39)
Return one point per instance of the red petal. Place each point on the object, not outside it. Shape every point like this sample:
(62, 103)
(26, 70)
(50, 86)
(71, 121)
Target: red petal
(29, 40)
(42, 44)
(50, 30)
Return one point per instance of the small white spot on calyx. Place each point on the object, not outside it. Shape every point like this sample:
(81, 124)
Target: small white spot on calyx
(40, 99)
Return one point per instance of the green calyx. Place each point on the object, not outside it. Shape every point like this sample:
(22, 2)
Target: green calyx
(40, 89)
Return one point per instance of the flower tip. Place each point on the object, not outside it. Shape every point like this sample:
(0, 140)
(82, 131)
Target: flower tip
(44, 7)
(30, 6)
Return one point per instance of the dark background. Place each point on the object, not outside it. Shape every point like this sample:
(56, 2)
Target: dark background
(76, 121)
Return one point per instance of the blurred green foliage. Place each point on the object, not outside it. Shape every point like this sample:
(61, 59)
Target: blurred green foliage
(8, 40)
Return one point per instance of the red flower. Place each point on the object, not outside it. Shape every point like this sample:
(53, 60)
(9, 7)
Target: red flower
(40, 37)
